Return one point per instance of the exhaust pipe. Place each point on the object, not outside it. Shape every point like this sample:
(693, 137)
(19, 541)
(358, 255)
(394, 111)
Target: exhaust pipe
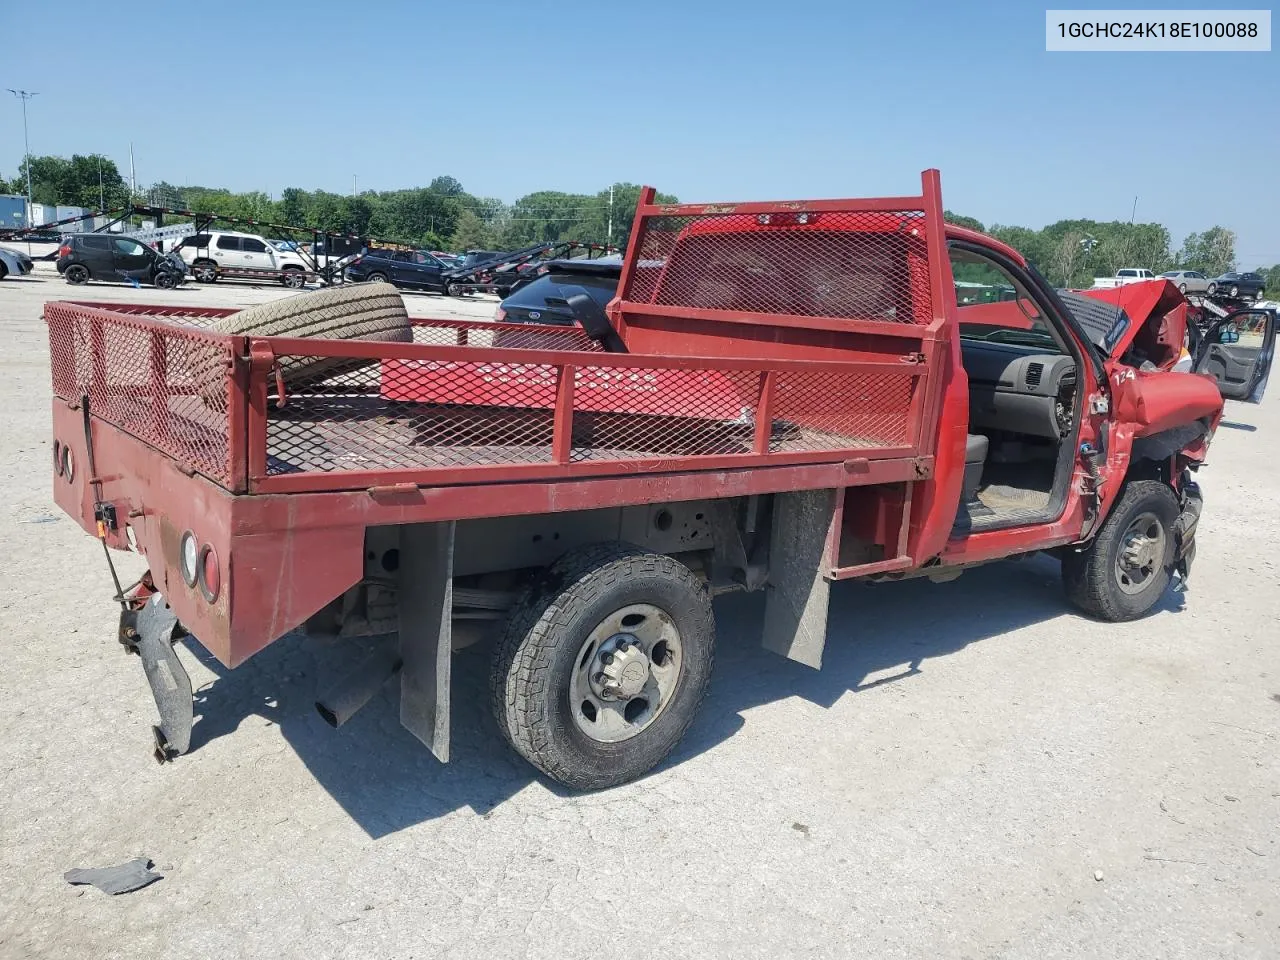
(341, 701)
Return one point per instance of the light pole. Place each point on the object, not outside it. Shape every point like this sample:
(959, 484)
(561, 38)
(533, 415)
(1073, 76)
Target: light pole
(609, 235)
(24, 96)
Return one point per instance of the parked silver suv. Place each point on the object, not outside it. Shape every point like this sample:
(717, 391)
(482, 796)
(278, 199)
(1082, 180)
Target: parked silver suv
(246, 256)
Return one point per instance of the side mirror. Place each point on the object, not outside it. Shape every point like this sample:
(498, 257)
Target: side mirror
(593, 320)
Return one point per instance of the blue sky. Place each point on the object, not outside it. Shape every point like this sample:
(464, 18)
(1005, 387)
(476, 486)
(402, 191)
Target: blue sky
(708, 100)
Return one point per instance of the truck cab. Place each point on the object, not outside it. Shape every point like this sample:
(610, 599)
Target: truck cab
(781, 396)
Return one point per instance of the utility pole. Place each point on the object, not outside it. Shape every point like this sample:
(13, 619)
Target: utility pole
(609, 237)
(355, 185)
(133, 178)
(24, 96)
(102, 204)
(1135, 208)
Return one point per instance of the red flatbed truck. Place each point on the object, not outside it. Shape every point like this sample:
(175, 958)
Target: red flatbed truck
(782, 395)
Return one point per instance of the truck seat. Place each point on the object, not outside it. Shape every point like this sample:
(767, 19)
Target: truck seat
(975, 455)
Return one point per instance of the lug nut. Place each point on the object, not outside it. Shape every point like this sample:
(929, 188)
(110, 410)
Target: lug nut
(608, 658)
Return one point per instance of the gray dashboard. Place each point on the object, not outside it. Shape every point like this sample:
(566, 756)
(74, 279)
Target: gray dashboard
(1016, 388)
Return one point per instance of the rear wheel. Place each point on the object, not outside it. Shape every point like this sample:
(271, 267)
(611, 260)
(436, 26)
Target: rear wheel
(603, 665)
(1235, 291)
(376, 278)
(293, 278)
(1123, 573)
(1213, 288)
(204, 271)
(77, 273)
(1182, 288)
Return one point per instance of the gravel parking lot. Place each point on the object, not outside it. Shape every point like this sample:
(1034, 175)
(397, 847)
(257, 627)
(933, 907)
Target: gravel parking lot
(977, 772)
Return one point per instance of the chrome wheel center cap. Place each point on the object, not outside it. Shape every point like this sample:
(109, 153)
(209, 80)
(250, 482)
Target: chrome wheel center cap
(623, 669)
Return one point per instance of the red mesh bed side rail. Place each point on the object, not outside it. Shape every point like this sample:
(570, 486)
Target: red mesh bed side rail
(359, 414)
(843, 266)
(168, 385)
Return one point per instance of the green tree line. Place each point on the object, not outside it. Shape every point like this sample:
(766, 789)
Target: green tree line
(441, 215)
(1070, 253)
(444, 216)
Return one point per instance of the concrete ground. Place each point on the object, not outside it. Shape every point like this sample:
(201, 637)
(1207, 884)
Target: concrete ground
(977, 772)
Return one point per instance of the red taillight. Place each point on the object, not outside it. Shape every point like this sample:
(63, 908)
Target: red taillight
(64, 250)
(210, 575)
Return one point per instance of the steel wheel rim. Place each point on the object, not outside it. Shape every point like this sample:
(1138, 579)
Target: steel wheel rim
(1141, 554)
(626, 672)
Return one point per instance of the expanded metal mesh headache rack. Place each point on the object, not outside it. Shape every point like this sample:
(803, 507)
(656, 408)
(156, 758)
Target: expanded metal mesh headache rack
(758, 335)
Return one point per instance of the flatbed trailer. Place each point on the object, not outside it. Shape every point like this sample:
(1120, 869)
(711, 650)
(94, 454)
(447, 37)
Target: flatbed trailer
(585, 491)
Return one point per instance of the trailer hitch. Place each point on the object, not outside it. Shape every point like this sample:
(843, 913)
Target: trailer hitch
(150, 631)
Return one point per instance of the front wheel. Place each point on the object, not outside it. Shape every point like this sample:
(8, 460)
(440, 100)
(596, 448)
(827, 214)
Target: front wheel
(453, 290)
(603, 665)
(1235, 291)
(1125, 571)
(376, 278)
(1182, 288)
(1213, 288)
(77, 274)
(293, 278)
(204, 271)
(165, 280)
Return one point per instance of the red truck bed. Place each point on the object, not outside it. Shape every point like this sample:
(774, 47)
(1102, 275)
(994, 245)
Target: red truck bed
(729, 366)
(770, 347)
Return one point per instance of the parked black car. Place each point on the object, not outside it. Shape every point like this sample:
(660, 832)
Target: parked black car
(101, 256)
(411, 269)
(1246, 285)
(544, 300)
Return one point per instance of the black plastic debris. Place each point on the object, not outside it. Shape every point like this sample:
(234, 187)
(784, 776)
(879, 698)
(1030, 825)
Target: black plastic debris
(124, 878)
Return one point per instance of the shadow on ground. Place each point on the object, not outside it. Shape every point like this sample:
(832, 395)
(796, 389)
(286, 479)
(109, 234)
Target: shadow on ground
(386, 780)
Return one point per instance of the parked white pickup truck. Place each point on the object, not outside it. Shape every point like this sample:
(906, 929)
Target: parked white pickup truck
(1123, 275)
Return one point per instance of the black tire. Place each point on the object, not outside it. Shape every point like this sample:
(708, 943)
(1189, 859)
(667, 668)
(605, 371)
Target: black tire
(537, 656)
(165, 280)
(77, 274)
(1091, 575)
(453, 290)
(359, 312)
(294, 278)
(1182, 288)
(377, 278)
(1235, 291)
(4, 271)
(1213, 288)
(205, 271)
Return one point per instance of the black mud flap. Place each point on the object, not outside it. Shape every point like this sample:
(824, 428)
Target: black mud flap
(1184, 534)
(150, 632)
